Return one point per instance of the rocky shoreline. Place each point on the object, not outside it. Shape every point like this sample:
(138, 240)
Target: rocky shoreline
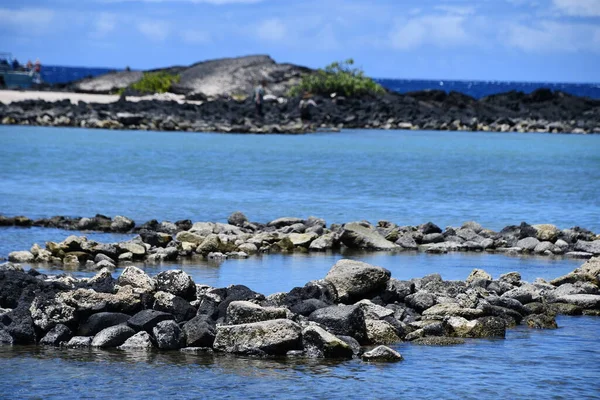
(540, 111)
(239, 238)
(354, 306)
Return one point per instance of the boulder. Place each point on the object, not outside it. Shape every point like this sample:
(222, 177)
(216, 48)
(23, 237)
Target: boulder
(541, 321)
(285, 221)
(139, 341)
(318, 343)
(381, 332)
(512, 278)
(113, 336)
(322, 243)
(342, 320)
(80, 341)
(137, 279)
(100, 321)
(585, 301)
(137, 250)
(273, 337)
(420, 301)
(181, 309)
(24, 257)
(592, 247)
(438, 341)
(199, 333)
(49, 310)
(396, 291)
(60, 333)
(190, 237)
(146, 320)
(374, 311)
(543, 247)
(407, 242)
(354, 280)
(176, 282)
(237, 219)
(477, 274)
(382, 353)
(243, 312)
(439, 311)
(121, 224)
(528, 243)
(357, 236)
(488, 327)
(546, 232)
(5, 337)
(302, 239)
(429, 228)
(524, 294)
(168, 335)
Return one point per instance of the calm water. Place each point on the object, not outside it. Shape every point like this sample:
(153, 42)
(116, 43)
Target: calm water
(405, 177)
(402, 176)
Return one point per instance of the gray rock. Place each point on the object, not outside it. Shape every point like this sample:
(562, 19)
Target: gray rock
(302, 239)
(488, 327)
(512, 278)
(285, 221)
(113, 336)
(528, 243)
(438, 341)
(432, 238)
(581, 245)
(396, 291)
(24, 257)
(244, 312)
(487, 244)
(439, 311)
(237, 219)
(543, 247)
(322, 243)
(168, 335)
(478, 274)
(60, 333)
(100, 321)
(274, 337)
(420, 301)
(382, 353)
(146, 320)
(353, 280)
(5, 337)
(472, 225)
(139, 341)
(137, 279)
(190, 237)
(108, 83)
(136, 249)
(407, 242)
(199, 333)
(342, 320)
(49, 311)
(541, 321)
(524, 294)
(181, 309)
(585, 301)
(357, 236)
(381, 332)
(546, 232)
(318, 343)
(374, 311)
(121, 224)
(176, 282)
(428, 228)
(80, 341)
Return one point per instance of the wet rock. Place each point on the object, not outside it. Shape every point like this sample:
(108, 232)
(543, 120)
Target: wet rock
(100, 321)
(381, 332)
(528, 244)
(5, 337)
(488, 327)
(176, 282)
(438, 341)
(564, 309)
(585, 301)
(354, 280)
(60, 333)
(541, 321)
(21, 257)
(146, 320)
(396, 291)
(524, 294)
(592, 247)
(199, 333)
(420, 301)
(429, 228)
(274, 337)
(357, 236)
(181, 309)
(80, 341)
(318, 343)
(546, 232)
(382, 353)
(407, 242)
(243, 312)
(342, 320)
(113, 336)
(139, 341)
(168, 335)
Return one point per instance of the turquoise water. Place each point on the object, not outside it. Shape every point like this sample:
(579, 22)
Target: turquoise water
(405, 177)
(402, 176)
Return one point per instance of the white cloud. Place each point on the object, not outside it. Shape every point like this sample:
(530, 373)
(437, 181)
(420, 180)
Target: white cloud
(454, 9)
(215, 2)
(27, 20)
(552, 36)
(104, 24)
(193, 36)
(154, 30)
(436, 30)
(579, 8)
(271, 30)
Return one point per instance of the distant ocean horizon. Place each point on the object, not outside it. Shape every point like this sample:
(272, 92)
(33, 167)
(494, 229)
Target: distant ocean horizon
(477, 89)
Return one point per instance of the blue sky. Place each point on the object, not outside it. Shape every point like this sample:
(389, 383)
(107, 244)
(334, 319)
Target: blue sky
(523, 40)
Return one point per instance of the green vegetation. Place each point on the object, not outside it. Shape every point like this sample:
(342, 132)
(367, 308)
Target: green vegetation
(340, 78)
(155, 82)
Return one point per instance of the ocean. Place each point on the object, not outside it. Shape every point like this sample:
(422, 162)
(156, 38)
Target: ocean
(476, 89)
(407, 177)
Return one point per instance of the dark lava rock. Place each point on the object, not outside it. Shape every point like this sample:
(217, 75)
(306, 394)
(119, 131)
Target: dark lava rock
(342, 320)
(60, 333)
(168, 335)
(97, 322)
(113, 336)
(199, 333)
(146, 320)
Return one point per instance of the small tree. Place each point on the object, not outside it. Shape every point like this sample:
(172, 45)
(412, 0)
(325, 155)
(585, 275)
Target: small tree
(340, 78)
(155, 82)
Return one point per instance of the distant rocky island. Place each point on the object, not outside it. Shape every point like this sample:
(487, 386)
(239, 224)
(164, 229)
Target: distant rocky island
(214, 96)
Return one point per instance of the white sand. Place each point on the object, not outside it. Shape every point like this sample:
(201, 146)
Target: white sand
(9, 96)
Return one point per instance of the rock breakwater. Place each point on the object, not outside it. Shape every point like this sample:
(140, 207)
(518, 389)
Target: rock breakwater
(357, 305)
(540, 111)
(240, 238)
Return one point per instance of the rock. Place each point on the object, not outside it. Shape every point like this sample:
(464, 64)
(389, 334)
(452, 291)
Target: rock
(543, 247)
(168, 335)
(528, 244)
(248, 248)
(357, 236)
(146, 320)
(322, 243)
(237, 219)
(488, 327)
(541, 321)
(512, 278)
(100, 321)
(49, 311)
(396, 291)
(407, 242)
(374, 311)
(382, 353)
(60, 333)
(121, 224)
(524, 294)
(439, 311)
(80, 341)
(286, 221)
(102, 282)
(113, 336)
(342, 320)
(581, 245)
(190, 237)
(478, 274)
(212, 243)
(5, 338)
(546, 232)
(139, 341)
(318, 343)
(137, 279)
(564, 309)
(181, 309)
(302, 239)
(274, 337)
(176, 282)
(243, 312)
(585, 301)
(354, 280)
(432, 238)
(438, 341)
(429, 228)
(381, 332)
(420, 301)
(472, 225)
(198, 333)
(21, 257)
(108, 83)
(137, 250)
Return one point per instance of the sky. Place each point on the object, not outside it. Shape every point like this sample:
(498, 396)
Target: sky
(506, 40)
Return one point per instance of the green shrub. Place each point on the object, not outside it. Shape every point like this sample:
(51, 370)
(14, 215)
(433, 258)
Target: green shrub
(340, 78)
(155, 82)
